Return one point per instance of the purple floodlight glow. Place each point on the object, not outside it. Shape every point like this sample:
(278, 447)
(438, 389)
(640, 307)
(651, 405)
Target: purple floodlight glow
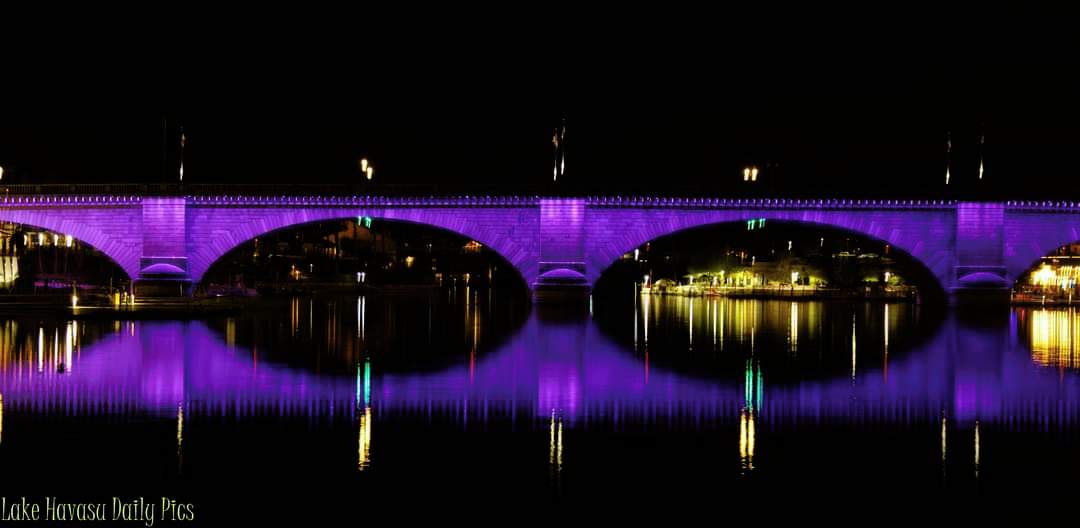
(951, 238)
(569, 368)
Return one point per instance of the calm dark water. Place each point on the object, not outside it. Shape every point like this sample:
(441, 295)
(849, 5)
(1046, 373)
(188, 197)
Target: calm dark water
(334, 408)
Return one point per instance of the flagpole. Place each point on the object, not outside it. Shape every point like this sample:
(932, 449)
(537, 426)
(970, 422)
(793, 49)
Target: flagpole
(559, 141)
(183, 140)
(948, 155)
(982, 142)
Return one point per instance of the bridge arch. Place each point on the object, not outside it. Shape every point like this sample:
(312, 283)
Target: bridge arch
(213, 232)
(124, 251)
(1033, 233)
(1024, 263)
(927, 236)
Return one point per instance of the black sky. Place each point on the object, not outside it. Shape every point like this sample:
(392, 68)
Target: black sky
(846, 103)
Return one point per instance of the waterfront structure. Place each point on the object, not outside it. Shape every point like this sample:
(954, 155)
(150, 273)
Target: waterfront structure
(969, 247)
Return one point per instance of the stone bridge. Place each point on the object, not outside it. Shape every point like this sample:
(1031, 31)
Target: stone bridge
(966, 246)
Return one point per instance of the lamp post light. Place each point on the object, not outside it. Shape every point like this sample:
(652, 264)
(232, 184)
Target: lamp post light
(366, 169)
(749, 174)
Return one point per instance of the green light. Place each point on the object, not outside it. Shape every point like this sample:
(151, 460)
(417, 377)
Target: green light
(360, 386)
(363, 384)
(749, 386)
(749, 225)
(761, 223)
(760, 389)
(367, 383)
(364, 221)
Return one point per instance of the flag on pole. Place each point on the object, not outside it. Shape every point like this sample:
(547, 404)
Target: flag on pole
(948, 155)
(183, 141)
(555, 143)
(982, 141)
(558, 140)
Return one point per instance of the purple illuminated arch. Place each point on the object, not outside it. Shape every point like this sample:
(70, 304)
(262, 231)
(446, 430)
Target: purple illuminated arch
(509, 231)
(113, 231)
(926, 235)
(1033, 232)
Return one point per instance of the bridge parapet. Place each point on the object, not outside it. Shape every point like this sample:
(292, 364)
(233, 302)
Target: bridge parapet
(78, 200)
(777, 203)
(1044, 205)
(367, 201)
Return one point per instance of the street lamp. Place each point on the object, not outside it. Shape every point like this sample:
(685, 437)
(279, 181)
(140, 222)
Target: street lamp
(750, 174)
(366, 169)
(1, 173)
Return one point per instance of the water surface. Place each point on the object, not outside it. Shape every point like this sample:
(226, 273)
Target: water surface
(318, 405)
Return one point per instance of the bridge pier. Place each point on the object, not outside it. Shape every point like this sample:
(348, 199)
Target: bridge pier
(980, 272)
(163, 267)
(562, 272)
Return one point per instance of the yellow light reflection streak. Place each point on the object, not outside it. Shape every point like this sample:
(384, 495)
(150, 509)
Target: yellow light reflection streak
(943, 424)
(1054, 335)
(555, 445)
(793, 329)
(746, 439)
(691, 323)
(977, 449)
(885, 365)
(364, 448)
(69, 345)
(179, 429)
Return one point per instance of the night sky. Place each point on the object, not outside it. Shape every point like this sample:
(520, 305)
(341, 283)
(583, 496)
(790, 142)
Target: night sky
(676, 105)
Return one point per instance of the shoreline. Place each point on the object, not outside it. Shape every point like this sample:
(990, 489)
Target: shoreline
(53, 305)
(92, 306)
(809, 294)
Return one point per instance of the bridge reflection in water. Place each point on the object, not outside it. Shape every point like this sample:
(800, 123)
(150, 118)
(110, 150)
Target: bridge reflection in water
(562, 374)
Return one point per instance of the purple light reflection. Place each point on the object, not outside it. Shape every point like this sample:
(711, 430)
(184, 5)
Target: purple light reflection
(567, 368)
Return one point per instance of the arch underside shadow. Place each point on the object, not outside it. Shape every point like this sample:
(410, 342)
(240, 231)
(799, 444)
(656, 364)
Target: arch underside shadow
(501, 236)
(1018, 270)
(123, 247)
(927, 242)
(1029, 237)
